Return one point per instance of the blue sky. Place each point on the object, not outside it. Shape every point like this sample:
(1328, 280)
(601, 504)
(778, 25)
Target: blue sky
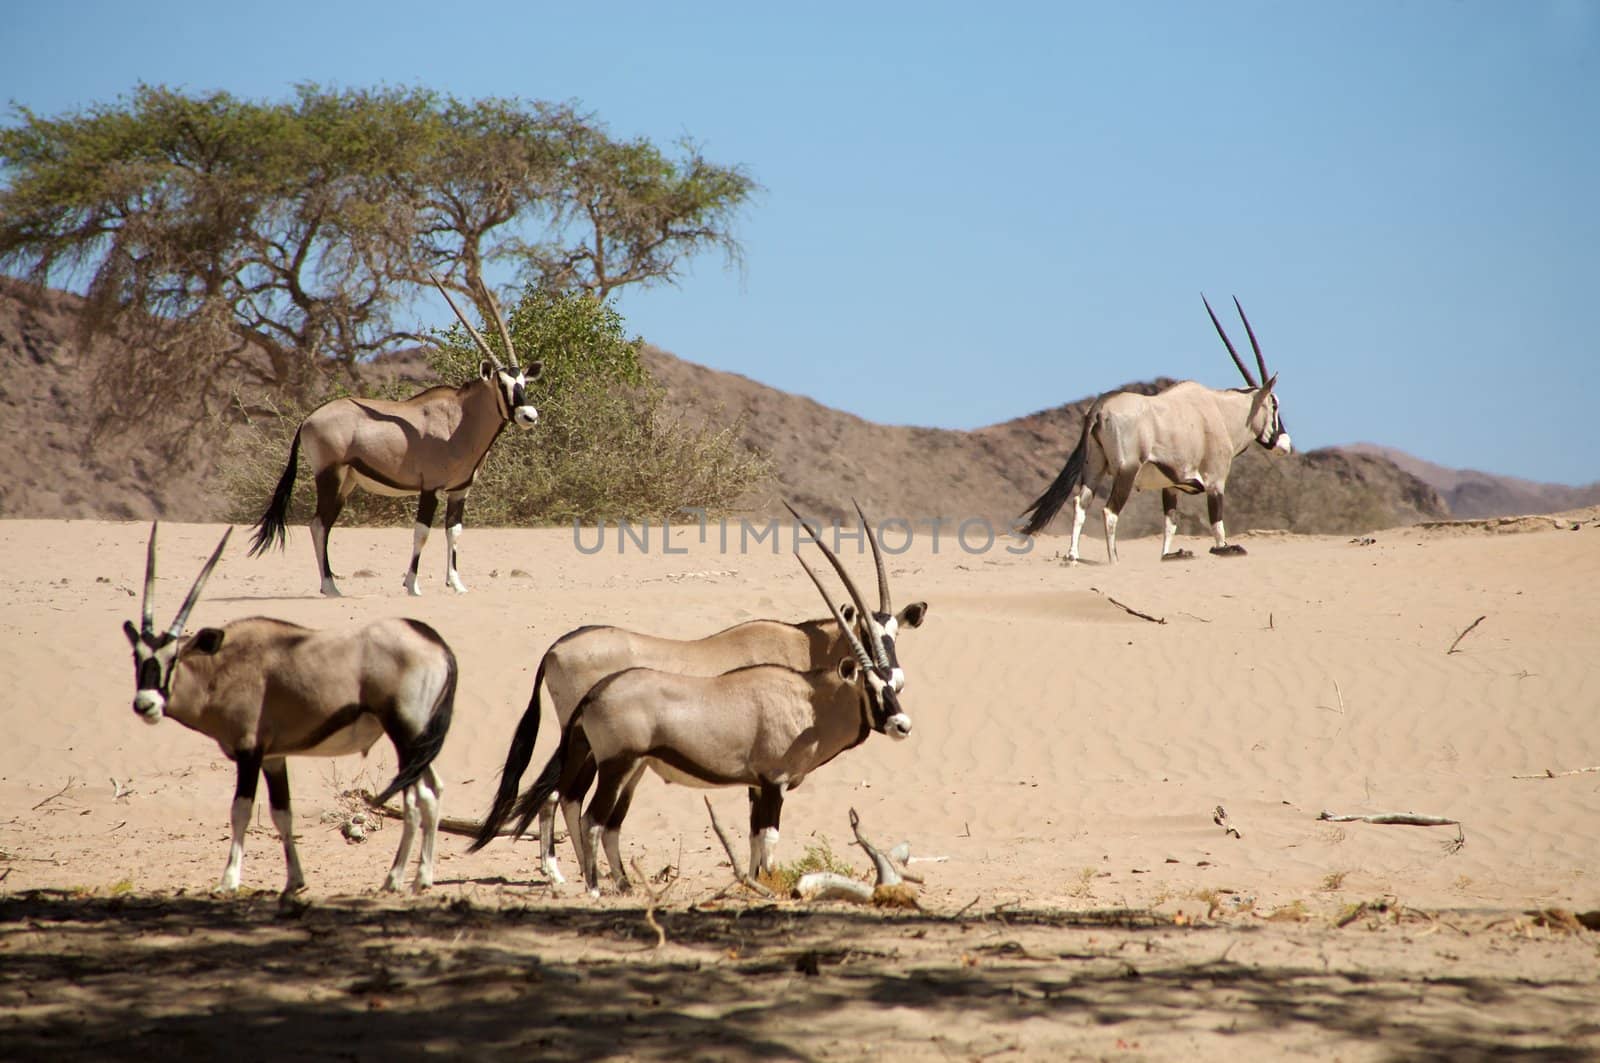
(971, 212)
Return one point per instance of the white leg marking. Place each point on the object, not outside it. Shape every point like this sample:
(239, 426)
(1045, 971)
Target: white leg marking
(283, 819)
(241, 823)
(1219, 533)
(547, 841)
(419, 539)
(407, 832)
(429, 790)
(1080, 513)
(1171, 529)
(451, 576)
(769, 848)
(1111, 536)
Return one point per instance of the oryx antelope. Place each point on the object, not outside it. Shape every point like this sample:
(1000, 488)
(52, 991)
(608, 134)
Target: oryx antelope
(1184, 439)
(266, 689)
(432, 443)
(765, 727)
(578, 660)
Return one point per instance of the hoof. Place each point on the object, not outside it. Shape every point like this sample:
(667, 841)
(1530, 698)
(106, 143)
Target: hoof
(1231, 550)
(1179, 555)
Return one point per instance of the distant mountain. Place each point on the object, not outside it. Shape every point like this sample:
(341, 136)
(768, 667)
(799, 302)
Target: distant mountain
(1472, 494)
(56, 466)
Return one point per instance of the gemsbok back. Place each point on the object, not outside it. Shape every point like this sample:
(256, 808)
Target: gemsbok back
(1184, 439)
(430, 444)
(265, 689)
(766, 727)
(578, 660)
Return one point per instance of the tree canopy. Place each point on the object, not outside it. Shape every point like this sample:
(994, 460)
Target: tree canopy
(231, 243)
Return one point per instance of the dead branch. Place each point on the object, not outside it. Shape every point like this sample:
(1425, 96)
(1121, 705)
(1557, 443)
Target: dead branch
(1548, 774)
(58, 793)
(1129, 609)
(1464, 634)
(742, 878)
(1404, 819)
(448, 824)
(653, 898)
(1219, 816)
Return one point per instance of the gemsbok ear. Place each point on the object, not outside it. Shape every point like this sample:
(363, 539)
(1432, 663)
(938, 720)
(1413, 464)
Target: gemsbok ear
(486, 370)
(913, 614)
(848, 669)
(533, 371)
(132, 632)
(848, 611)
(207, 640)
(1266, 389)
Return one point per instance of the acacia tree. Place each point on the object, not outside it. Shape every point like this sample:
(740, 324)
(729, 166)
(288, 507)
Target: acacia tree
(230, 243)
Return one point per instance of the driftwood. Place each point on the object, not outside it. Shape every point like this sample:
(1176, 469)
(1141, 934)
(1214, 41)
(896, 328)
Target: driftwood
(1404, 819)
(727, 847)
(1548, 774)
(890, 890)
(1464, 634)
(448, 824)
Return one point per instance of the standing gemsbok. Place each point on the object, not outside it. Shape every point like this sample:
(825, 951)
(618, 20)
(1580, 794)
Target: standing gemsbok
(265, 689)
(1184, 439)
(766, 727)
(432, 443)
(581, 658)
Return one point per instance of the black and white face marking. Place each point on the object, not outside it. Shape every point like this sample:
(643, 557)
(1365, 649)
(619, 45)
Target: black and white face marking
(154, 656)
(887, 628)
(1275, 436)
(511, 391)
(887, 716)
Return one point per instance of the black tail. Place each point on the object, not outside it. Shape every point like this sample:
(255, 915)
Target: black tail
(1066, 482)
(270, 529)
(517, 758)
(416, 752)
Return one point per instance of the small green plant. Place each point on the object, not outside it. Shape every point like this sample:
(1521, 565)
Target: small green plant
(1084, 886)
(1334, 880)
(819, 856)
(120, 888)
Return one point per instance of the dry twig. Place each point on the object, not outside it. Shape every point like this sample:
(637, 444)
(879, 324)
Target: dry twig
(742, 878)
(1404, 819)
(653, 898)
(1464, 634)
(1548, 774)
(58, 793)
(1129, 609)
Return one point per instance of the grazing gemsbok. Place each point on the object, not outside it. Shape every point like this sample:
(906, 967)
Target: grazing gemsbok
(265, 689)
(433, 442)
(765, 727)
(581, 658)
(1184, 439)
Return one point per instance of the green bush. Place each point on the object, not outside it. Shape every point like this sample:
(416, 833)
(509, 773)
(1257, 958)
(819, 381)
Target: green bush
(606, 445)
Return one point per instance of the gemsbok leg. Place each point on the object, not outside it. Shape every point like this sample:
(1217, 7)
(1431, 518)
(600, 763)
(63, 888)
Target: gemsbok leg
(427, 505)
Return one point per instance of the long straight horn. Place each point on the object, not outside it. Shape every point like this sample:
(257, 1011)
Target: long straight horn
(855, 644)
(1261, 363)
(148, 607)
(884, 605)
(199, 582)
(505, 333)
(477, 336)
(1228, 343)
(878, 652)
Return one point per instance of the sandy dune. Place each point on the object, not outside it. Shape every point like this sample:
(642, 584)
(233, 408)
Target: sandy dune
(1067, 757)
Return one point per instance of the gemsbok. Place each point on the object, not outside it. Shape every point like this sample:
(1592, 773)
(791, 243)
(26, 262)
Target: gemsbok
(765, 727)
(578, 660)
(266, 689)
(431, 443)
(1183, 439)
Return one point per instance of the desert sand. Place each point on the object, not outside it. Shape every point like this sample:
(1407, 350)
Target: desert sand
(1066, 763)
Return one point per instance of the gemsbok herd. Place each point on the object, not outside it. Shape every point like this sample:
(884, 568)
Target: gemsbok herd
(760, 705)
